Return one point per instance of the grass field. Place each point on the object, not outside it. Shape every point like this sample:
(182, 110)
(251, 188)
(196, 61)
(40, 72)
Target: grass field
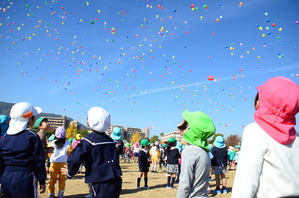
(76, 188)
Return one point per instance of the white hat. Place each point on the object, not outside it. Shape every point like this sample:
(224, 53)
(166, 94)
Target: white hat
(20, 114)
(98, 119)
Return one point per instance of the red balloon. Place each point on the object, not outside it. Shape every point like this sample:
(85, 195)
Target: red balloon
(210, 78)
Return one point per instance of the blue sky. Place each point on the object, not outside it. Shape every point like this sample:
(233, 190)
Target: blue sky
(147, 61)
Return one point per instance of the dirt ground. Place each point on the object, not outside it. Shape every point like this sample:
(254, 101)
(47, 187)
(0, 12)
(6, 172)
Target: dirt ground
(76, 188)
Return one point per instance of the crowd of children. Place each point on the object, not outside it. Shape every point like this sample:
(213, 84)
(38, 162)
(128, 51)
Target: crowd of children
(189, 161)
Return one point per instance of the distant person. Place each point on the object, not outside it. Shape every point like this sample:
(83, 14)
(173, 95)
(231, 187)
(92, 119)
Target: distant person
(162, 156)
(196, 128)
(4, 123)
(117, 136)
(99, 154)
(219, 163)
(127, 152)
(76, 141)
(155, 156)
(136, 152)
(42, 124)
(143, 163)
(237, 155)
(22, 162)
(172, 160)
(231, 158)
(269, 163)
(62, 149)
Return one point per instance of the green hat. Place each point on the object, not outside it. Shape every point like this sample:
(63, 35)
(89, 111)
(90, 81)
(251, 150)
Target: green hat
(144, 142)
(172, 140)
(127, 144)
(201, 127)
(39, 121)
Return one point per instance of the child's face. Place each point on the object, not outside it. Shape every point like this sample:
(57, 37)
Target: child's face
(182, 127)
(44, 125)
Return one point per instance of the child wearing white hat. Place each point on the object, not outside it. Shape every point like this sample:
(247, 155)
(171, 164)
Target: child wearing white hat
(21, 155)
(99, 154)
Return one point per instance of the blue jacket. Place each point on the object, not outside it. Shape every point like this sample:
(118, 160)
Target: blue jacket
(220, 156)
(23, 151)
(99, 154)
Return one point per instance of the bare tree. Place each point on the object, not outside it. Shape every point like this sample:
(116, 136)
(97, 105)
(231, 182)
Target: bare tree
(233, 140)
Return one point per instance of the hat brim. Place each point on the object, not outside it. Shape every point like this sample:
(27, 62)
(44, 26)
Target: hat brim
(17, 125)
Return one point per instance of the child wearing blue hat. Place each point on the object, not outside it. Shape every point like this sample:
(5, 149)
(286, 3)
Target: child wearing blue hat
(143, 162)
(219, 162)
(4, 123)
(116, 135)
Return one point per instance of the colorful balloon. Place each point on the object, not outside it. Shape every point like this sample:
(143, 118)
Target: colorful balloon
(210, 78)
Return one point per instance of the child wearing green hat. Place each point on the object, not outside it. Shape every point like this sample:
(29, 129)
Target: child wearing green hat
(43, 125)
(172, 161)
(196, 128)
(143, 162)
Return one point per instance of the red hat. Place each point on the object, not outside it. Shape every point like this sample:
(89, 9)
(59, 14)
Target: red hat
(279, 104)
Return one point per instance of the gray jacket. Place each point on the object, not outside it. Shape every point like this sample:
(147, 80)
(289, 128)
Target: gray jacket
(195, 171)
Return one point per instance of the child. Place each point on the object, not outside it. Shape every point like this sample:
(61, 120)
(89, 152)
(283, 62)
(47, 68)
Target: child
(127, 152)
(22, 161)
(196, 128)
(219, 163)
(76, 141)
(268, 165)
(172, 168)
(162, 156)
(43, 125)
(143, 162)
(155, 155)
(4, 123)
(58, 159)
(116, 135)
(231, 157)
(136, 152)
(98, 152)
(237, 155)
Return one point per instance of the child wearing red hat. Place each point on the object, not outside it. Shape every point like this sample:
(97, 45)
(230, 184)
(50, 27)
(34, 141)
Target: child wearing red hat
(274, 170)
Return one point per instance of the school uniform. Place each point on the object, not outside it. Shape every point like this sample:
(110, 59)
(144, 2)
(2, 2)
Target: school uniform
(143, 162)
(22, 164)
(99, 154)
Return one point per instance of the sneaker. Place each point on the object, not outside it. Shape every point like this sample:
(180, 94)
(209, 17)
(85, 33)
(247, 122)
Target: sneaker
(172, 187)
(218, 192)
(137, 187)
(88, 195)
(167, 186)
(60, 194)
(146, 187)
(51, 195)
(224, 191)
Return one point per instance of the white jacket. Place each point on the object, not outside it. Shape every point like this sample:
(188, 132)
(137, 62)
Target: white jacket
(266, 168)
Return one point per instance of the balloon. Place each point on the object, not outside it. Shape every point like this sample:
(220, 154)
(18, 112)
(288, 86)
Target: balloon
(210, 78)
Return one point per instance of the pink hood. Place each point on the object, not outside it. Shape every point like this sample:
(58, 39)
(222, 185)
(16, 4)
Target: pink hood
(279, 104)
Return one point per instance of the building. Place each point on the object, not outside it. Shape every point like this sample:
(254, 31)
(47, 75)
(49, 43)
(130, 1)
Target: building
(174, 134)
(146, 132)
(59, 121)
